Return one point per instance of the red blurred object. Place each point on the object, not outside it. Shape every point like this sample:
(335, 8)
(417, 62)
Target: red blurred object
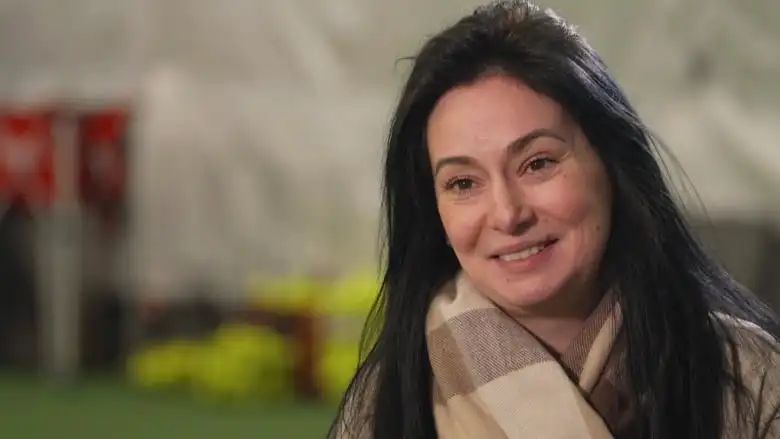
(27, 156)
(103, 161)
(103, 155)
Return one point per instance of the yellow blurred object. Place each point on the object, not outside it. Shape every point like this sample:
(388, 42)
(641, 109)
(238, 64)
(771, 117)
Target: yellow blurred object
(347, 306)
(338, 364)
(244, 362)
(287, 295)
(353, 294)
(341, 309)
(163, 365)
(344, 312)
(238, 363)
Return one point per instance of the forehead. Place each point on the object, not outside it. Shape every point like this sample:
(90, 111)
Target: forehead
(497, 108)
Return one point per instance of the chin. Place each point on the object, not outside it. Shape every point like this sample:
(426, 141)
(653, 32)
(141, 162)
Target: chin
(520, 294)
(525, 297)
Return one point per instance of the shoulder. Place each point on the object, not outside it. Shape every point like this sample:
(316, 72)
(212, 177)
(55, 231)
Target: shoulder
(747, 342)
(753, 357)
(355, 417)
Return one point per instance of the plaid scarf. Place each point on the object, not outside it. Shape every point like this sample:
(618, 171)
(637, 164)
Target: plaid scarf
(493, 379)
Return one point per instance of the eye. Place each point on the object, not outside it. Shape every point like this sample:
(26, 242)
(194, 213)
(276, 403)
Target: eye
(460, 184)
(540, 164)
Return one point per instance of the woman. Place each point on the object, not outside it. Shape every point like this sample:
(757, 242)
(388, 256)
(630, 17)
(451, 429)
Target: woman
(540, 280)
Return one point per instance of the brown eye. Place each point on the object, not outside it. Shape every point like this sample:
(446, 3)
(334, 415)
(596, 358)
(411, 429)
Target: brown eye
(539, 164)
(460, 184)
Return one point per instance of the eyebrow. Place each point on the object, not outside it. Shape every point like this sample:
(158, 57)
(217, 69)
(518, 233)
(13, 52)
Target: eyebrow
(513, 148)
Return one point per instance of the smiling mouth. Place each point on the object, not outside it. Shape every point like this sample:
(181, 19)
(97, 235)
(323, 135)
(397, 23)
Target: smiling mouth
(526, 253)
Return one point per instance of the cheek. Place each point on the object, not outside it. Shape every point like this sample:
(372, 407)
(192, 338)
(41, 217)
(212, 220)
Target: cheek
(462, 224)
(582, 205)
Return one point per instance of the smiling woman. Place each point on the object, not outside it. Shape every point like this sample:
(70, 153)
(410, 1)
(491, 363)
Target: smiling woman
(524, 200)
(540, 280)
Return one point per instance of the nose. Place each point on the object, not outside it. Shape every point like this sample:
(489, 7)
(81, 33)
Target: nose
(508, 211)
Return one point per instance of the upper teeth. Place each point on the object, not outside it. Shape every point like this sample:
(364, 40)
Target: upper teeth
(523, 254)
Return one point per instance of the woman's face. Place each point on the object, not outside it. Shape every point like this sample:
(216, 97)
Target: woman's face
(523, 197)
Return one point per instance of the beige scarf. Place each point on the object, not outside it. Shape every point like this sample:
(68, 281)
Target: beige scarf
(493, 379)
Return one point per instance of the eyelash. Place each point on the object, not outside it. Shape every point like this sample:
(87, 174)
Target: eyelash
(545, 160)
(452, 184)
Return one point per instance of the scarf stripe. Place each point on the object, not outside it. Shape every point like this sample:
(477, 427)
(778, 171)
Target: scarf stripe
(573, 359)
(462, 350)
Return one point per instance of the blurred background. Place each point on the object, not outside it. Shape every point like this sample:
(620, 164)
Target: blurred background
(189, 191)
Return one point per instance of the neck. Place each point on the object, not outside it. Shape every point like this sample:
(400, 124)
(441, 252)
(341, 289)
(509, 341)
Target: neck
(555, 325)
(554, 333)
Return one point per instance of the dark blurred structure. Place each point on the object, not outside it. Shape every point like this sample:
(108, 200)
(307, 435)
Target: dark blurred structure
(18, 306)
(750, 251)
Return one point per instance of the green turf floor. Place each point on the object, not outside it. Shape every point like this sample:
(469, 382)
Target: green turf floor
(105, 409)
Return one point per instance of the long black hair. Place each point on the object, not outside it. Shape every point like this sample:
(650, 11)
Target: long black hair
(677, 356)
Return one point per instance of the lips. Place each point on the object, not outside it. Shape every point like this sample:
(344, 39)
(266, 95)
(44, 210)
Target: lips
(524, 253)
(525, 259)
(523, 250)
